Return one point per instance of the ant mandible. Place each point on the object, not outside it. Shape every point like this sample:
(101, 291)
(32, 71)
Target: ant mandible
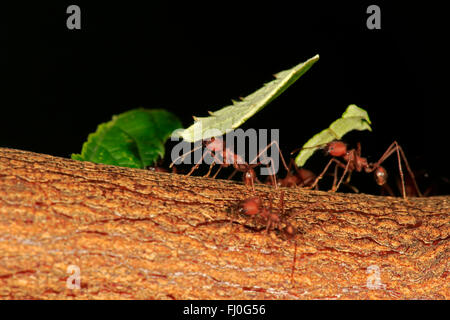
(354, 162)
(216, 148)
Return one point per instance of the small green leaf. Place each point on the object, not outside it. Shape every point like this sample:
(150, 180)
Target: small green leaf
(354, 118)
(132, 139)
(231, 117)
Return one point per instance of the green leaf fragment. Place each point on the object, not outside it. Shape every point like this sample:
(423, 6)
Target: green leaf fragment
(231, 117)
(354, 118)
(132, 139)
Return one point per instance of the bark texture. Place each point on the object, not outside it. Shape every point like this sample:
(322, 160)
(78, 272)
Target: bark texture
(137, 234)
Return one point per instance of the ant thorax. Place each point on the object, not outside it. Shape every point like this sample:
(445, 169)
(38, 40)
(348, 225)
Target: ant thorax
(354, 161)
(361, 163)
(214, 144)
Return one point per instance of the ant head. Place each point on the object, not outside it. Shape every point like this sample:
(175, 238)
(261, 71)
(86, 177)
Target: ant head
(250, 206)
(380, 175)
(336, 148)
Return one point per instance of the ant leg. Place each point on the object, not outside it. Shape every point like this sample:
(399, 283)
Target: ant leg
(274, 142)
(324, 171)
(349, 177)
(269, 224)
(335, 176)
(210, 168)
(217, 172)
(232, 175)
(293, 262)
(252, 182)
(198, 163)
(291, 163)
(216, 160)
(342, 177)
(273, 176)
(346, 183)
(184, 156)
(400, 154)
(408, 168)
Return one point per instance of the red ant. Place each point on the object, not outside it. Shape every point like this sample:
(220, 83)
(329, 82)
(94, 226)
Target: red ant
(252, 207)
(216, 148)
(354, 161)
(300, 178)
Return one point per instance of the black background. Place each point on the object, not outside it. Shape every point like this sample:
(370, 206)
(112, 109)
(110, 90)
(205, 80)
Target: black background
(174, 309)
(190, 58)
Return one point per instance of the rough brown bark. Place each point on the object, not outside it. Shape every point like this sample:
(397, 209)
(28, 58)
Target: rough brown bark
(144, 235)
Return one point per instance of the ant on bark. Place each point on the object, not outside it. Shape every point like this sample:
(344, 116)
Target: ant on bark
(354, 162)
(225, 157)
(252, 207)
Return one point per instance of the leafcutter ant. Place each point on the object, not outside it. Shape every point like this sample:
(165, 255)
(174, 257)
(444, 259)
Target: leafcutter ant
(252, 207)
(225, 157)
(354, 162)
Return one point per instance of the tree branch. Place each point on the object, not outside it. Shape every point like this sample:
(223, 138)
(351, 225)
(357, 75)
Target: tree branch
(146, 235)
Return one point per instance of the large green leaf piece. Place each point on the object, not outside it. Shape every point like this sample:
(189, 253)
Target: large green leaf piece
(354, 118)
(231, 117)
(132, 139)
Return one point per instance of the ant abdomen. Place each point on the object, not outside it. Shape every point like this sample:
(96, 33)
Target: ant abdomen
(249, 177)
(380, 175)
